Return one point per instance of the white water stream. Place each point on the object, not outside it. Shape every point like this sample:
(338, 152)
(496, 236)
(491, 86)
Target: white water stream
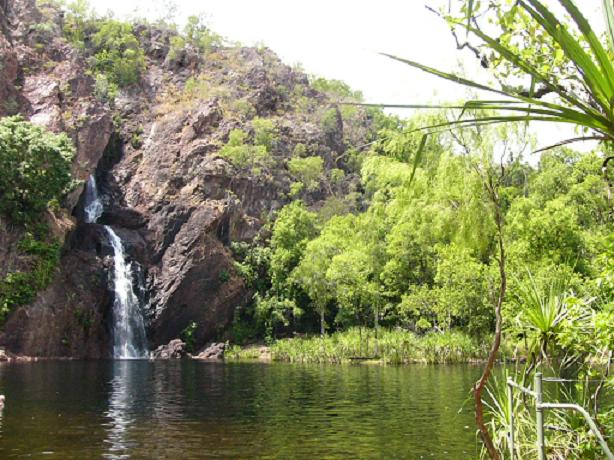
(129, 339)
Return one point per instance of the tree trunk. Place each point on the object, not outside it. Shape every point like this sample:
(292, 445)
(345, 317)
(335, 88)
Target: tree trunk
(322, 331)
(492, 356)
(359, 340)
(376, 324)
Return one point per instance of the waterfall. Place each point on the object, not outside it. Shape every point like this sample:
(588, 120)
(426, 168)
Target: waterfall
(93, 205)
(129, 339)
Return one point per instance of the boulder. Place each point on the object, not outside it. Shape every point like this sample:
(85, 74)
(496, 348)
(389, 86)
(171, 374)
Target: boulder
(122, 217)
(207, 118)
(175, 349)
(212, 352)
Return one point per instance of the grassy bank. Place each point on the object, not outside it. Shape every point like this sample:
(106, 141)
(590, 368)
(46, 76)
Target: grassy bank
(390, 347)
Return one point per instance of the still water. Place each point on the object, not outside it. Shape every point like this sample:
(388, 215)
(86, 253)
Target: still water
(188, 409)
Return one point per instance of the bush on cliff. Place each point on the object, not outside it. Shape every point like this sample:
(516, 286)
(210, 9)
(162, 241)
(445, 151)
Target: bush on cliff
(117, 58)
(118, 53)
(34, 168)
(20, 287)
(253, 156)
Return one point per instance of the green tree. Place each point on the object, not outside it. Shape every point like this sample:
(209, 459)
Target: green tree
(307, 170)
(312, 272)
(462, 292)
(294, 227)
(117, 52)
(244, 155)
(265, 133)
(34, 168)
(200, 36)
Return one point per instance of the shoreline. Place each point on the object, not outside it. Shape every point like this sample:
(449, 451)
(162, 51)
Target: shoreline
(391, 347)
(266, 358)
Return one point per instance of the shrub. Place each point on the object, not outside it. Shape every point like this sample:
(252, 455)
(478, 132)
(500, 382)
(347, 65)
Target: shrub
(307, 170)
(197, 88)
(335, 88)
(15, 289)
(300, 150)
(117, 53)
(136, 140)
(200, 36)
(243, 155)
(296, 188)
(265, 133)
(224, 276)
(42, 32)
(336, 175)
(177, 44)
(34, 168)
(243, 108)
(187, 335)
(20, 288)
(104, 90)
(332, 207)
(77, 21)
(329, 121)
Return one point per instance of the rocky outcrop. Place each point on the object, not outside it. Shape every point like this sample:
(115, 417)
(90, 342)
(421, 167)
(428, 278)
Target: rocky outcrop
(70, 318)
(175, 349)
(212, 352)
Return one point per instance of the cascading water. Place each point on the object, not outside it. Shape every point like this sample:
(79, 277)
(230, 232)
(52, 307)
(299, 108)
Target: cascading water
(93, 206)
(129, 339)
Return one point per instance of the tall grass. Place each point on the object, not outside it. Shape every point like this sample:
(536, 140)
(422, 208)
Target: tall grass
(393, 347)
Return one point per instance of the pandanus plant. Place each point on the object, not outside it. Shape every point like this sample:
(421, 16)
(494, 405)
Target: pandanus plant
(543, 309)
(570, 76)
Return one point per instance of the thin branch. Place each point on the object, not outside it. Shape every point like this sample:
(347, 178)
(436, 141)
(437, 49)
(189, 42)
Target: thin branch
(460, 46)
(608, 182)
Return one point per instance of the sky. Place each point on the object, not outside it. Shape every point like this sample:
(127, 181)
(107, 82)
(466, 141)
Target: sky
(341, 39)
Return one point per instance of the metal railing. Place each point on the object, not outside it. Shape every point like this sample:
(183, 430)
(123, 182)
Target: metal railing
(540, 406)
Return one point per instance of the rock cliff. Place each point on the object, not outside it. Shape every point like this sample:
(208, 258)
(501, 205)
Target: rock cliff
(155, 150)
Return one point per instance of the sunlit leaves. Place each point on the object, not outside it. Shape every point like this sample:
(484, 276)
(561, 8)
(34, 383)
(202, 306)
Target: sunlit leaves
(34, 168)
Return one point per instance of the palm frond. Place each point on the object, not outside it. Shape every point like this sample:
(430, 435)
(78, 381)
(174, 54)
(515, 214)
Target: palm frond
(608, 11)
(589, 57)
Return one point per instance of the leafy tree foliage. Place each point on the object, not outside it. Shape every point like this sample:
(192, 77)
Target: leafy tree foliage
(116, 57)
(308, 171)
(34, 168)
(244, 155)
(422, 255)
(199, 35)
(254, 155)
(117, 53)
(294, 228)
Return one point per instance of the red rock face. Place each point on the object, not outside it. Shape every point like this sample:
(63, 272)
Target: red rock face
(10, 99)
(68, 318)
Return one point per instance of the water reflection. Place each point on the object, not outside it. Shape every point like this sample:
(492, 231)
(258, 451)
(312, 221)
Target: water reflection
(121, 409)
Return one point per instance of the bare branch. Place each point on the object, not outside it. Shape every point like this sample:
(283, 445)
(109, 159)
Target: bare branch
(462, 45)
